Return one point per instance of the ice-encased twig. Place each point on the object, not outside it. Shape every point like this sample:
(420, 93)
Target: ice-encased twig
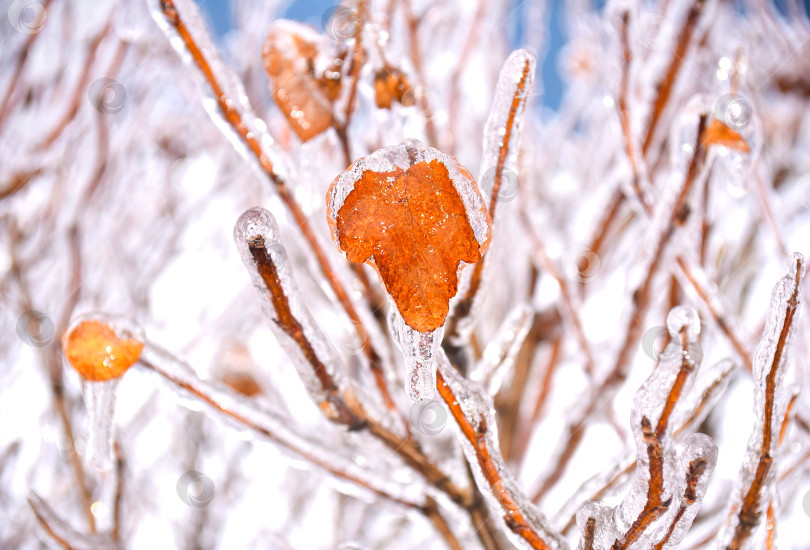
(62, 533)
(696, 407)
(474, 414)
(230, 109)
(500, 353)
(671, 474)
(278, 429)
(771, 398)
(256, 237)
(501, 144)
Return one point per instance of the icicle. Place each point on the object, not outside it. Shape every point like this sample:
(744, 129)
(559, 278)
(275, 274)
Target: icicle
(757, 475)
(101, 347)
(419, 351)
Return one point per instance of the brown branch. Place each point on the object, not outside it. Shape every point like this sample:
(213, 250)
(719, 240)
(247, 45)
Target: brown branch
(235, 120)
(749, 514)
(663, 89)
(357, 61)
(5, 103)
(81, 84)
(476, 436)
(696, 470)
(590, 534)
(412, 23)
(336, 406)
(654, 508)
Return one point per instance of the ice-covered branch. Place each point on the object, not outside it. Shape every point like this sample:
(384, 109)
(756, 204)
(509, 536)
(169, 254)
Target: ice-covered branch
(501, 144)
(663, 500)
(473, 413)
(771, 399)
(62, 533)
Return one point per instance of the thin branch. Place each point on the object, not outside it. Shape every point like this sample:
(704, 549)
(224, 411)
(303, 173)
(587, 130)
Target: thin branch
(251, 138)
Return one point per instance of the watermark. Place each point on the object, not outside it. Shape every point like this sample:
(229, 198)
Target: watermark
(357, 339)
(660, 344)
(107, 96)
(806, 503)
(278, 254)
(35, 328)
(734, 111)
(585, 265)
(428, 417)
(340, 23)
(509, 185)
(27, 16)
(655, 32)
(804, 185)
(195, 489)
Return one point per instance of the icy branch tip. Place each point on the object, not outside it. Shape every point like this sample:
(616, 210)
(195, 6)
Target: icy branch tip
(254, 223)
(684, 318)
(102, 347)
(797, 268)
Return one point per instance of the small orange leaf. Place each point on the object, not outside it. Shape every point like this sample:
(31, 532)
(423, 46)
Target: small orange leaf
(304, 80)
(414, 214)
(97, 353)
(719, 134)
(390, 84)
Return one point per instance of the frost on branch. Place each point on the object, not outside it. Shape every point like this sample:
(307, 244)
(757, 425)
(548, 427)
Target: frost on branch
(755, 484)
(671, 471)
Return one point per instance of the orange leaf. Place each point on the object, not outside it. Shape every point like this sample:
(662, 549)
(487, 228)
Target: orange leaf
(407, 211)
(719, 134)
(97, 353)
(304, 80)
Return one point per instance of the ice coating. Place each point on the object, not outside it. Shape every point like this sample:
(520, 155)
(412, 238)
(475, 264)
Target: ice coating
(63, 531)
(671, 472)
(503, 495)
(502, 129)
(228, 91)
(255, 222)
(281, 429)
(684, 318)
(501, 351)
(757, 477)
(255, 235)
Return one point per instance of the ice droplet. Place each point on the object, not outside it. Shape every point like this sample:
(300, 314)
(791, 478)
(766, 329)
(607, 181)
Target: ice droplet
(256, 222)
(684, 318)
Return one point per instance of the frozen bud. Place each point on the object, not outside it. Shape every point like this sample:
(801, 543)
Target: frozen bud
(101, 346)
(684, 318)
